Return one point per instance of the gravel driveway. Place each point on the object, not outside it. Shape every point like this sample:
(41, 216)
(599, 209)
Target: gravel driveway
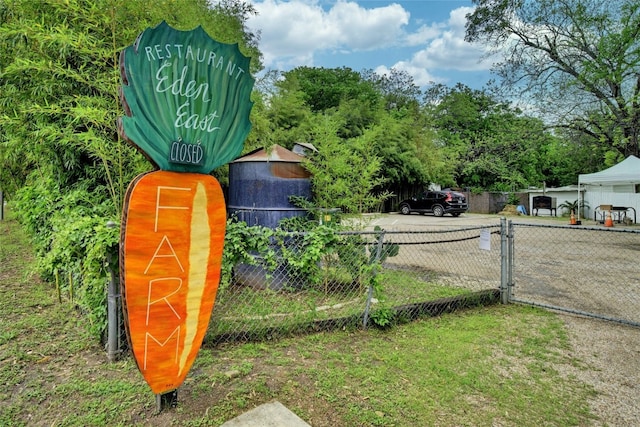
(611, 353)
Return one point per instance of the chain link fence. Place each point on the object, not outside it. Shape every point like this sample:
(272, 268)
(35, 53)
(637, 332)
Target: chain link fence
(360, 278)
(356, 279)
(591, 271)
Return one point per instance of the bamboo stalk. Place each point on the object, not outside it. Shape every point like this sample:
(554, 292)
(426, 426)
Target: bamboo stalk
(58, 286)
(71, 286)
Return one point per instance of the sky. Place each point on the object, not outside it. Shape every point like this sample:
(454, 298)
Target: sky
(425, 38)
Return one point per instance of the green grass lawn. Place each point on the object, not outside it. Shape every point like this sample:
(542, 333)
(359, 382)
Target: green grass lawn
(242, 308)
(497, 365)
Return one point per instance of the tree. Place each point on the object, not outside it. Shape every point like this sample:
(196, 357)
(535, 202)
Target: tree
(60, 81)
(489, 144)
(344, 173)
(578, 60)
(397, 87)
(409, 156)
(569, 154)
(326, 88)
(360, 105)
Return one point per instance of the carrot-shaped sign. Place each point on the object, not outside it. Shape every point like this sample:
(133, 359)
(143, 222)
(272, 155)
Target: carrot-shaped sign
(186, 99)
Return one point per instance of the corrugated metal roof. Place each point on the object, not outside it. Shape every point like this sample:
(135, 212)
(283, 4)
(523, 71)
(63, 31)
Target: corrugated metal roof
(275, 154)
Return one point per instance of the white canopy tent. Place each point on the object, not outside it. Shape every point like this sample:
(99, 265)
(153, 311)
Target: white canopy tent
(617, 185)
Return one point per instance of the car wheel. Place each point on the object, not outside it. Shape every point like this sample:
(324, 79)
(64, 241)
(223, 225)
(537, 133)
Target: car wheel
(405, 210)
(438, 210)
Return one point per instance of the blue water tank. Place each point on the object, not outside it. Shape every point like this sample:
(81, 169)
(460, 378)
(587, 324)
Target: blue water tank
(261, 182)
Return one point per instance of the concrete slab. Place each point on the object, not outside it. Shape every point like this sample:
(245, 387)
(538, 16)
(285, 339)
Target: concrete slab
(272, 414)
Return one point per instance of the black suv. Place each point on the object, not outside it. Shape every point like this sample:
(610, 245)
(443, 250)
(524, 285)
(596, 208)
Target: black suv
(436, 202)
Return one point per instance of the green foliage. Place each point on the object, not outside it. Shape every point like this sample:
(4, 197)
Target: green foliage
(569, 154)
(241, 245)
(575, 207)
(70, 234)
(386, 249)
(397, 87)
(62, 164)
(313, 254)
(320, 253)
(338, 107)
(305, 254)
(383, 317)
(513, 199)
(582, 54)
(490, 144)
(344, 173)
(324, 89)
(284, 121)
(314, 216)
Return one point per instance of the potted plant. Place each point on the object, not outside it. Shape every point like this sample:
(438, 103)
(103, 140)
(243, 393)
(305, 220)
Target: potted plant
(569, 207)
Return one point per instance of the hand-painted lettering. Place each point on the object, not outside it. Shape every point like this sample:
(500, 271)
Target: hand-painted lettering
(159, 205)
(175, 332)
(172, 254)
(186, 154)
(189, 90)
(156, 287)
(194, 121)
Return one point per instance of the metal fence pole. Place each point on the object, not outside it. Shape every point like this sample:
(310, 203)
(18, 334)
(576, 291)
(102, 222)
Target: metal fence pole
(367, 308)
(1, 205)
(511, 244)
(113, 301)
(504, 261)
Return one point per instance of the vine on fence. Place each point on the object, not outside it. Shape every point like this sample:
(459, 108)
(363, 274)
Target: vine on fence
(77, 259)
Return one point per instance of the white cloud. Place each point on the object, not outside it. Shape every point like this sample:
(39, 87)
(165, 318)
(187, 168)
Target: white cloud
(421, 76)
(292, 31)
(366, 29)
(424, 34)
(444, 49)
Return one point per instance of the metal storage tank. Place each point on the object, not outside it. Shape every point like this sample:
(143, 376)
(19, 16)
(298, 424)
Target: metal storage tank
(261, 182)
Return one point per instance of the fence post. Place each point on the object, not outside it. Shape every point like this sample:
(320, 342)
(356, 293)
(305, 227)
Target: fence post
(1, 205)
(367, 308)
(504, 261)
(511, 244)
(113, 301)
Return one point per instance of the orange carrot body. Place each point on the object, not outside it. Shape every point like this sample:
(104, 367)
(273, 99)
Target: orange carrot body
(173, 237)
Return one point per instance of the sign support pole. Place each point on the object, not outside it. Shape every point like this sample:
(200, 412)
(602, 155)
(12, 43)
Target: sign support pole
(166, 400)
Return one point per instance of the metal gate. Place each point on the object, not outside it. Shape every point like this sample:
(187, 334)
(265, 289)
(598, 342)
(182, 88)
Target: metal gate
(590, 271)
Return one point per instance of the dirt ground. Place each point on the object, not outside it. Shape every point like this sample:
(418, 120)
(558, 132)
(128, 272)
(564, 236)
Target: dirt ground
(612, 354)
